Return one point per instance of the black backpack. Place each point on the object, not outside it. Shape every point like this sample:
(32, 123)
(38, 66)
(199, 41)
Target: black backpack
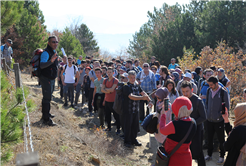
(119, 98)
(35, 63)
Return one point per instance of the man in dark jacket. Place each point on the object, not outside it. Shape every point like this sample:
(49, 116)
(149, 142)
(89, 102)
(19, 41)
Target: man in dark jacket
(216, 95)
(48, 65)
(199, 115)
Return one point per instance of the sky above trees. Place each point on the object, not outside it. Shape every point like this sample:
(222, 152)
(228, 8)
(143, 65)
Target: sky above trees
(102, 17)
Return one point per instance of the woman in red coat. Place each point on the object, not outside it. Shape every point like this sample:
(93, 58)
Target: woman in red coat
(176, 131)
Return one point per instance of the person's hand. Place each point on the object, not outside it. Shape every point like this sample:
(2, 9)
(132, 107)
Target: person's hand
(203, 97)
(53, 58)
(75, 84)
(58, 78)
(92, 102)
(104, 103)
(145, 97)
(64, 84)
(150, 105)
(226, 116)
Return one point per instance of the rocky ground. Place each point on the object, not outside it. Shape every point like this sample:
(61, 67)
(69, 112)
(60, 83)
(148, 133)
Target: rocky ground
(77, 140)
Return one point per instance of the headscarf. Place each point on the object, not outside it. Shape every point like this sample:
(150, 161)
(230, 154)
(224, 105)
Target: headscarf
(162, 93)
(176, 77)
(240, 114)
(182, 107)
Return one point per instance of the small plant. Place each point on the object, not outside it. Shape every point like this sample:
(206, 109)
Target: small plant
(63, 148)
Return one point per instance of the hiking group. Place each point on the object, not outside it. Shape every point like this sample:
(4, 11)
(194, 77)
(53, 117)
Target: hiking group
(195, 116)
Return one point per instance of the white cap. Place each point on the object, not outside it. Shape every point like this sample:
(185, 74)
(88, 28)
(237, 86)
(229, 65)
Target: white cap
(187, 74)
(124, 75)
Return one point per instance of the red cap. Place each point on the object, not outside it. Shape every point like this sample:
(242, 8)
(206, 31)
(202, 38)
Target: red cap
(88, 68)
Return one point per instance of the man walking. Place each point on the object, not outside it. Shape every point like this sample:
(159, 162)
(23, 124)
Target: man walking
(132, 93)
(146, 79)
(68, 80)
(187, 77)
(130, 67)
(216, 95)
(173, 65)
(48, 65)
(199, 115)
(7, 52)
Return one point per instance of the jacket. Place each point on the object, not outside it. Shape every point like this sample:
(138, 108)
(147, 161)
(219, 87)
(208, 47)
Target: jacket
(214, 105)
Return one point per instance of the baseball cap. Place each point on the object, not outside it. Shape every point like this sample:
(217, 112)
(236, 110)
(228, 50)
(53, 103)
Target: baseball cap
(124, 75)
(88, 68)
(10, 41)
(123, 68)
(187, 74)
(221, 70)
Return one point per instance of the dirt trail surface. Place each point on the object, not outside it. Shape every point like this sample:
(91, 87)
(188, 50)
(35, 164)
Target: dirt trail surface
(76, 141)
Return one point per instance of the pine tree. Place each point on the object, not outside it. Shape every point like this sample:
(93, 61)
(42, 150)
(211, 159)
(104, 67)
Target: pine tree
(70, 44)
(86, 38)
(11, 12)
(12, 116)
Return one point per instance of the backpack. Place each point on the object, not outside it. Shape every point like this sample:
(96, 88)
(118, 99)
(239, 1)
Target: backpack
(119, 99)
(35, 63)
(149, 123)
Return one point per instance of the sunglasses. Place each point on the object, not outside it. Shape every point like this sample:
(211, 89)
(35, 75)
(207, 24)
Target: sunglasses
(153, 69)
(122, 77)
(55, 42)
(146, 66)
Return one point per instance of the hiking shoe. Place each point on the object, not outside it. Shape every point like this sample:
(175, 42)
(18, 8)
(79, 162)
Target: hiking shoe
(208, 158)
(128, 145)
(71, 106)
(65, 104)
(107, 129)
(220, 161)
(118, 132)
(91, 114)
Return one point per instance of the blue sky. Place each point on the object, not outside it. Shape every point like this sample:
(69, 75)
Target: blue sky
(113, 22)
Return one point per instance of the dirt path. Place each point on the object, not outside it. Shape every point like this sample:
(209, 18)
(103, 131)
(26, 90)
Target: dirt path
(76, 141)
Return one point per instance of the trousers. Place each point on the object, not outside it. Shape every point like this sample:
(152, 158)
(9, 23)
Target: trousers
(108, 110)
(131, 127)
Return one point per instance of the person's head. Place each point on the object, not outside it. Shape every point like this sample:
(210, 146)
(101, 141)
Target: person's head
(213, 83)
(132, 76)
(182, 107)
(136, 62)
(124, 77)
(240, 114)
(104, 70)
(118, 67)
(98, 72)
(80, 57)
(208, 73)
(153, 59)
(53, 42)
(122, 70)
(164, 70)
(221, 73)
(186, 88)
(64, 59)
(128, 63)
(187, 76)
(9, 42)
(198, 70)
(110, 72)
(96, 64)
(179, 71)
(153, 69)
(214, 70)
(173, 60)
(88, 62)
(117, 61)
(83, 63)
(161, 94)
(145, 67)
(157, 64)
(70, 59)
(121, 61)
(113, 60)
(244, 94)
(194, 75)
(175, 77)
(87, 70)
(170, 85)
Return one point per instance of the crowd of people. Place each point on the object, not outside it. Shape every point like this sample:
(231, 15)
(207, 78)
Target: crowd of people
(195, 97)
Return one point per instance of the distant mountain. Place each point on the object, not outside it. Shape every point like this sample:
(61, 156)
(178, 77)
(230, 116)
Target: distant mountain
(113, 42)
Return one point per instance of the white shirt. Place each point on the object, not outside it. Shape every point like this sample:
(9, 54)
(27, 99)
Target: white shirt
(70, 74)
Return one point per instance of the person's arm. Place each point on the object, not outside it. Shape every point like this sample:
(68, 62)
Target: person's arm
(112, 88)
(44, 63)
(194, 88)
(232, 139)
(228, 83)
(91, 76)
(103, 89)
(226, 99)
(228, 126)
(135, 97)
(58, 74)
(62, 77)
(202, 113)
(76, 76)
(166, 129)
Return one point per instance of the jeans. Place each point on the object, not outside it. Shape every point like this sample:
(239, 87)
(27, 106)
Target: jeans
(90, 99)
(78, 89)
(100, 112)
(48, 87)
(69, 88)
(108, 110)
(218, 128)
